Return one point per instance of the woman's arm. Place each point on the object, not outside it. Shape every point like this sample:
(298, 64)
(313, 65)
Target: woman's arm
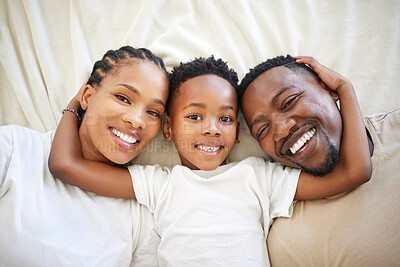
(66, 161)
(354, 164)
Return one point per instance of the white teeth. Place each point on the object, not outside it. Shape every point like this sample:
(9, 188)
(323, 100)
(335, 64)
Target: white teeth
(208, 148)
(302, 140)
(124, 137)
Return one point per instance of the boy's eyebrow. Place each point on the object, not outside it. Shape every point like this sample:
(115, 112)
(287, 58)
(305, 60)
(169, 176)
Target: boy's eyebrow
(275, 98)
(227, 107)
(135, 91)
(200, 105)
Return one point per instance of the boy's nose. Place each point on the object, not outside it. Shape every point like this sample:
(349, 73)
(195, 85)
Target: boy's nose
(282, 125)
(211, 128)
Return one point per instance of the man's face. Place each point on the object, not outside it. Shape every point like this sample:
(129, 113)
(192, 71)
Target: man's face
(203, 121)
(295, 119)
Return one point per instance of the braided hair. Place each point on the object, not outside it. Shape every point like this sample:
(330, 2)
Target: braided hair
(198, 67)
(114, 58)
(288, 62)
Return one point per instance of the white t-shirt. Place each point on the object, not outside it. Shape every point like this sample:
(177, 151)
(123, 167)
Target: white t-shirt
(215, 218)
(45, 222)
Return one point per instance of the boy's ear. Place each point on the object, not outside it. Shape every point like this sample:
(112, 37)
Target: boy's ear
(86, 94)
(166, 127)
(237, 133)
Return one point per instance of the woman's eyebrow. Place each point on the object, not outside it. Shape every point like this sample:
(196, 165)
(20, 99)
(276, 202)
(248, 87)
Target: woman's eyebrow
(133, 89)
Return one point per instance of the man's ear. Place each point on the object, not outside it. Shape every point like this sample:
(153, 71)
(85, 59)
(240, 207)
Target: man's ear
(166, 127)
(237, 133)
(87, 93)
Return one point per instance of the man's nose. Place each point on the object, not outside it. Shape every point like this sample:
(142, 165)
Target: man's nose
(282, 124)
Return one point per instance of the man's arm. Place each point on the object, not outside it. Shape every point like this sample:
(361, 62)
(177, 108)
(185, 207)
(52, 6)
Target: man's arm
(354, 164)
(66, 162)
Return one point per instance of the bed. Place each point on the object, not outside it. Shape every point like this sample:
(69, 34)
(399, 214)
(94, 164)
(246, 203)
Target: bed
(47, 49)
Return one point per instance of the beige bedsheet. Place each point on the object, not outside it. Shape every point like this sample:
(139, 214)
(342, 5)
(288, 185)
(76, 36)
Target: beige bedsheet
(47, 48)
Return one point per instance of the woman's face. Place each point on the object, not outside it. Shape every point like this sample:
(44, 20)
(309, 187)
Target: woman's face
(123, 113)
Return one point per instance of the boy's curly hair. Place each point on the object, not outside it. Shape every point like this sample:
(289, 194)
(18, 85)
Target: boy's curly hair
(197, 67)
(288, 62)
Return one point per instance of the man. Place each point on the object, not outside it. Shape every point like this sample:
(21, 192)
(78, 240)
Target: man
(360, 227)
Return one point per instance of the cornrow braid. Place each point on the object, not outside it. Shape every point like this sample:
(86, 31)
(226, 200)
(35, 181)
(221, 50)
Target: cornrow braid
(288, 62)
(112, 58)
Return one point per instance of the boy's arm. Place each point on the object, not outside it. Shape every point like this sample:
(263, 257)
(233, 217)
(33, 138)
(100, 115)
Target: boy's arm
(66, 162)
(354, 164)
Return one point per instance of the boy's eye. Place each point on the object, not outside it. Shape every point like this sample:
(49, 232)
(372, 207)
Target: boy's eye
(287, 103)
(123, 99)
(153, 113)
(194, 117)
(262, 131)
(226, 119)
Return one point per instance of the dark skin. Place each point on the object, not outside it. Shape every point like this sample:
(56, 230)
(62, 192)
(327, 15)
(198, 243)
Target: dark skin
(353, 168)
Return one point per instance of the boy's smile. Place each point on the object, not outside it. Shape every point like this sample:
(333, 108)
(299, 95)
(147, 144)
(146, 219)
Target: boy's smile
(202, 121)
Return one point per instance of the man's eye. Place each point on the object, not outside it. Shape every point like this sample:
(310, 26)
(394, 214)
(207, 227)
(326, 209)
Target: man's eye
(226, 119)
(123, 99)
(262, 131)
(285, 105)
(194, 117)
(153, 113)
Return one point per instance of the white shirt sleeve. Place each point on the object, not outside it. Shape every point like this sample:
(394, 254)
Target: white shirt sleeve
(149, 183)
(6, 139)
(281, 188)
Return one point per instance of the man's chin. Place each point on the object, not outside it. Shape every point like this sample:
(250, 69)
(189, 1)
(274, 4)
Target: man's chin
(327, 165)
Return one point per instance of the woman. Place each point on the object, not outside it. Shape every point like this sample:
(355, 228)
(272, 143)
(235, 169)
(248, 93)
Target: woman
(45, 222)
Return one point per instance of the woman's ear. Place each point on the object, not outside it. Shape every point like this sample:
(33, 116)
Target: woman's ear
(166, 127)
(87, 93)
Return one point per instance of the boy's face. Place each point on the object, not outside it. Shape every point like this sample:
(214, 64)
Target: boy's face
(294, 118)
(203, 121)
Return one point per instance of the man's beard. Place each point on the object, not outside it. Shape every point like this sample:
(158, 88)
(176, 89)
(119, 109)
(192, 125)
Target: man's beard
(328, 164)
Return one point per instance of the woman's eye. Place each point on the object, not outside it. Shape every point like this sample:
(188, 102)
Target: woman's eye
(194, 117)
(262, 131)
(123, 99)
(285, 105)
(153, 113)
(226, 119)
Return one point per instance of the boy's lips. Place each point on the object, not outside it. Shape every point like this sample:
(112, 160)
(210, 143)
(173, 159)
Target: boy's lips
(125, 138)
(209, 148)
(299, 141)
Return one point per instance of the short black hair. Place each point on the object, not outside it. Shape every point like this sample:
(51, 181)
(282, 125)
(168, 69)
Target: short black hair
(288, 62)
(197, 67)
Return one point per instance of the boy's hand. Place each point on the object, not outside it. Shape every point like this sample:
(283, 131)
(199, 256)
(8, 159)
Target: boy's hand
(333, 80)
(76, 100)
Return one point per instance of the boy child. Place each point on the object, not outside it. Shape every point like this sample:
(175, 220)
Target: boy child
(207, 212)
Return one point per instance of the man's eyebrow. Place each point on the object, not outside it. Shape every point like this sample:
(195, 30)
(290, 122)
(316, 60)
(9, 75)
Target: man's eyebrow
(257, 120)
(200, 105)
(275, 98)
(135, 91)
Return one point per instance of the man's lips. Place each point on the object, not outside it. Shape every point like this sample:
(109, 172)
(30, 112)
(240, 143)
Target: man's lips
(298, 144)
